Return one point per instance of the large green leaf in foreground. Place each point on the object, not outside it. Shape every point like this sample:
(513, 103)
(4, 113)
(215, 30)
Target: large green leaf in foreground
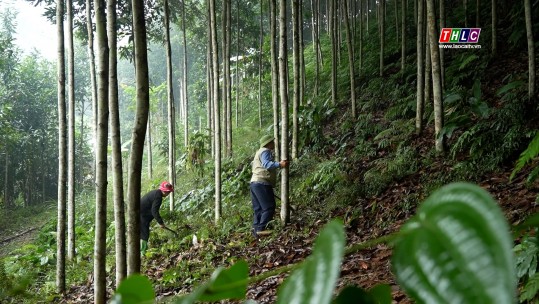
(457, 249)
(315, 280)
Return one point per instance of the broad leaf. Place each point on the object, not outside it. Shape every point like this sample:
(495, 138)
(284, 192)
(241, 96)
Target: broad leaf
(315, 279)
(224, 284)
(134, 289)
(457, 249)
(380, 294)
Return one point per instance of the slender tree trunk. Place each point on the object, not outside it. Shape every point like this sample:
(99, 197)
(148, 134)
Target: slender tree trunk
(216, 110)
(100, 254)
(149, 146)
(334, 50)
(442, 57)
(226, 78)
(436, 82)
(91, 57)
(285, 210)
(494, 27)
(7, 199)
(531, 49)
(301, 56)
(260, 56)
(295, 58)
(317, 47)
(238, 34)
(209, 81)
(71, 135)
(185, 94)
(428, 68)
(62, 155)
(403, 33)
(137, 140)
(396, 21)
(116, 141)
(170, 104)
(381, 20)
(361, 34)
(274, 74)
(351, 62)
(420, 46)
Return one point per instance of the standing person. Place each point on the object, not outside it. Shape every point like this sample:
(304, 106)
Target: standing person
(149, 209)
(262, 184)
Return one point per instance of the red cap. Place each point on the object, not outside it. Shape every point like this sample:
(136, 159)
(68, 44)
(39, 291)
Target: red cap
(166, 187)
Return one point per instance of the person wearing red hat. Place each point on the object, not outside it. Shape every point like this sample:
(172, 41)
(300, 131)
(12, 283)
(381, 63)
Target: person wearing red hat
(149, 210)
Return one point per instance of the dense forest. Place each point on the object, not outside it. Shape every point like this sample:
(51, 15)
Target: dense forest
(409, 132)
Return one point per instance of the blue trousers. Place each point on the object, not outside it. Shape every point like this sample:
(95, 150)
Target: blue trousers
(263, 201)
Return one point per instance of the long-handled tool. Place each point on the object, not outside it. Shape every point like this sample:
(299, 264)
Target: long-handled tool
(175, 233)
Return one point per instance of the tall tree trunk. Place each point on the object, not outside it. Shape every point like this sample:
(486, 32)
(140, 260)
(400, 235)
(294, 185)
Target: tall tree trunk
(283, 88)
(436, 82)
(209, 80)
(170, 105)
(91, 57)
(403, 33)
(428, 68)
(7, 200)
(100, 254)
(301, 56)
(216, 110)
(442, 57)
(62, 155)
(238, 34)
(531, 49)
(334, 49)
(260, 56)
(494, 27)
(317, 47)
(149, 146)
(361, 34)
(295, 58)
(226, 78)
(381, 20)
(137, 138)
(396, 21)
(70, 135)
(351, 62)
(116, 141)
(274, 75)
(185, 92)
(420, 46)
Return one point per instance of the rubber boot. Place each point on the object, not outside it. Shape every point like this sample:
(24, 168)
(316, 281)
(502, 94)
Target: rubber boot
(143, 246)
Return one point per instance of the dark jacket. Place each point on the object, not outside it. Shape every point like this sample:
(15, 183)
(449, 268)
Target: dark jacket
(149, 206)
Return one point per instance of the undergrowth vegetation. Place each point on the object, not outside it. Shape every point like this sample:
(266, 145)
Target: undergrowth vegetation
(343, 163)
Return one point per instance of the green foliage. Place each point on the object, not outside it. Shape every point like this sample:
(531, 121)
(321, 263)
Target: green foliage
(380, 294)
(326, 176)
(197, 152)
(526, 265)
(134, 289)
(457, 248)
(526, 157)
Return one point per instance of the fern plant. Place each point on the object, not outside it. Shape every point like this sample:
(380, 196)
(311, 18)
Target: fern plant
(526, 261)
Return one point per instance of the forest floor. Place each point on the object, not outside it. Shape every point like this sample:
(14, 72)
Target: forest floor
(17, 231)
(365, 268)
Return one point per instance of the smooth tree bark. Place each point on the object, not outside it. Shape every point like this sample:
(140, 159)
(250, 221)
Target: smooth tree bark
(436, 79)
(531, 49)
(420, 46)
(62, 154)
(209, 80)
(100, 253)
(216, 112)
(260, 56)
(403, 33)
(301, 55)
(137, 138)
(227, 88)
(184, 91)
(334, 48)
(296, 77)
(149, 146)
(381, 21)
(170, 104)
(116, 142)
(283, 89)
(275, 77)
(442, 57)
(494, 33)
(93, 83)
(351, 61)
(70, 134)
